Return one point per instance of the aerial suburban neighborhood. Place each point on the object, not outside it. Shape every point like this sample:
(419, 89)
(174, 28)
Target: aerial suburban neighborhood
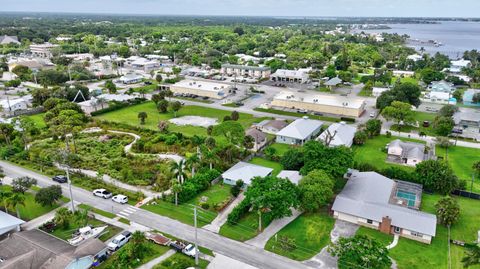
(274, 141)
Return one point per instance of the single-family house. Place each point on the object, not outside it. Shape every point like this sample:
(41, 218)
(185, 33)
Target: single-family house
(271, 126)
(377, 91)
(9, 223)
(468, 97)
(131, 78)
(457, 66)
(338, 134)
(408, 153)
(467, 119)
(245, 172)
(333, 82)
(441, 86)
(5, 39)
(374, 201)
(414, 57)
(439, 97)
(12, 105)
(8, 76)
(259, 138)
(299, 131)
(292, 175)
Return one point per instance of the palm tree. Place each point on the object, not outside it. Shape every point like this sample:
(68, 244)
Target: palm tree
(210, 157)
(62, 217)
(176, 188)
(3, 198)
(178, 170)
(15, 200)
(192, 162)
(472, 255)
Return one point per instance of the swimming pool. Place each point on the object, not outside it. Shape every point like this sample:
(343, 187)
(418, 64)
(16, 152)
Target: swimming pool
(409, 196)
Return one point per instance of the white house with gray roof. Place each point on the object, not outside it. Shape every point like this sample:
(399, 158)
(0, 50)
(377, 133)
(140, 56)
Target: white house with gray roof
(408, 153)
(372, 200)
(338, 134)
(245, 172)
(299, 131)
(292, 175)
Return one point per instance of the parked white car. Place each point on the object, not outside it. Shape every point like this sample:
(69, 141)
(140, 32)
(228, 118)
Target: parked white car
(119, 241)
(120, 198)
(102, 193)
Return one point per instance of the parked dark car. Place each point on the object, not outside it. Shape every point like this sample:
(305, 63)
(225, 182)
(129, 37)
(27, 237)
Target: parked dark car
(457, 131)
(60, 179)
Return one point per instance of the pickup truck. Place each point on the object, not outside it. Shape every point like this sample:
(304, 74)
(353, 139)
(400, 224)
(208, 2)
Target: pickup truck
(179, 246)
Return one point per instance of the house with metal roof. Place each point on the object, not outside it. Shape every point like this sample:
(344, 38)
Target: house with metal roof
(408, 153)
(292, 175)
(9, 223)
(338, 134)
(245, 172)
(372, 200)
(299, 131)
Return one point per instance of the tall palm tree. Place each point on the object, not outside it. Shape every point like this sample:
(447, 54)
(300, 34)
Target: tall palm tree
(178, 170)
(176, 188)
(15, 200)
(472, 255)
(3, 198)
(192, 162)
(210, 157)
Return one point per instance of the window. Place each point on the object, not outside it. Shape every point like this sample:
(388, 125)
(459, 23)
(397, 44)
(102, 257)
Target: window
(369, 221)
(416, 234)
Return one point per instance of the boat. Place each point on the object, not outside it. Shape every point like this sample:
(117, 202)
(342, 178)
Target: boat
(85, 233)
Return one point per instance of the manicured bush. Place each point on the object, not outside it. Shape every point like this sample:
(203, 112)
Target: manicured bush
(240, 210)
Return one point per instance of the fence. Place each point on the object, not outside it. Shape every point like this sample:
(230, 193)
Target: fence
(467, 194)
(31, 111)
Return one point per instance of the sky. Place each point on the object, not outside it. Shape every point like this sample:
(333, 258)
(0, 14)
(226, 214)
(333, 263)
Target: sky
(334, 8)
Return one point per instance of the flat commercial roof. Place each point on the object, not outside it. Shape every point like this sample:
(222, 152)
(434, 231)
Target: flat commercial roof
(202, 85)
(322, 99)
(246, 67)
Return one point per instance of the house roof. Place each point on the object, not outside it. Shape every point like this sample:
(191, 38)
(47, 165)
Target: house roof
(301, 73)
(246, 172)
(5, 39)
(37, 249)
(246, 67)
(300, 128)
(8, 222)
(258, 135)
(441, 86)
(333, 81)
(471, 115)
(367, 195)
(292, 175)
(343, 134)
(410, 150)
(277, 124)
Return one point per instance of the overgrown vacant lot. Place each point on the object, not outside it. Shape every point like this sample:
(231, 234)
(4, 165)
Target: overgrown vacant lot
(310, 232)
(461, 160)
(411, 254)
(372, 152)
(129, 115)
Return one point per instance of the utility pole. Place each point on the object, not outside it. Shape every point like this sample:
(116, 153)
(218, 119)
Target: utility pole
(259, 220)
(196, 241)
(70, 188)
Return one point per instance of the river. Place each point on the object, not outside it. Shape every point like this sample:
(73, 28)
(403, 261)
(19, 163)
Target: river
(455, 36)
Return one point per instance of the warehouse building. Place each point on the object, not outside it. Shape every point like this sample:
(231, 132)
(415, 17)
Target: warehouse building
(321, 103)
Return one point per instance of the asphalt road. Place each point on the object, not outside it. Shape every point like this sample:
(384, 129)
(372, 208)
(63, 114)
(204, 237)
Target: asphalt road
(233, 249)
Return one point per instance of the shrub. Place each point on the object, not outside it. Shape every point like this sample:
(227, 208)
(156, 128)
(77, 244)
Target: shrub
(238, 212)
(205, 206)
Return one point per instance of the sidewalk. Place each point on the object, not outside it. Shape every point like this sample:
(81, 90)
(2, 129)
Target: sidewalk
(157, 260)
(274, 227)
(222, 216)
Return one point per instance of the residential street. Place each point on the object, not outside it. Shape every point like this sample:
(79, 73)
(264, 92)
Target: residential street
(240, 251)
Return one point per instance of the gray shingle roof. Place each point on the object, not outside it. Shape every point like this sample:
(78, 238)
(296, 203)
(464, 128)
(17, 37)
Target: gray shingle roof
(246, 172)
(410, 150)
(300, 128)
(367, 194)
(333, 81)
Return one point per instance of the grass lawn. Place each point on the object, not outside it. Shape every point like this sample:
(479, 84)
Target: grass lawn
(156, 251)
(311, 233)
(129, 115)
(420, 117)
(38, 119)
(66, 233)
(412, 254)
(371, 152)
(277, 167)
(245, 229)
(97, 211)
(180, 261)
(461, 160)
(295, 114)
(184, 212)
(281, 149)
(31, 210)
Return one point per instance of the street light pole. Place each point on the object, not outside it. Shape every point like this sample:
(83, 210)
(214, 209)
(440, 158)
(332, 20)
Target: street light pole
(196, 244)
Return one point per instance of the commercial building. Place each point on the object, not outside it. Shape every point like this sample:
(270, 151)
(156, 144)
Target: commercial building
(374, 201)
(42, 50)
(201, 88)
(321, 103)
(296, 76)
(245, 70)
(299, 131)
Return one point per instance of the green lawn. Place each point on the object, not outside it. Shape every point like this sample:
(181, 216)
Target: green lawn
(372, 152)
(217, 193)
(180, 261)
(129, 115)
(156, 251)
(277, 167)
(311, 233)
(97, 211)
(31, 210)
(66, 233)
(281, 149)
(245, 229)
(295, 114)
(411, 254)
(38, 119)
(461, 160)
